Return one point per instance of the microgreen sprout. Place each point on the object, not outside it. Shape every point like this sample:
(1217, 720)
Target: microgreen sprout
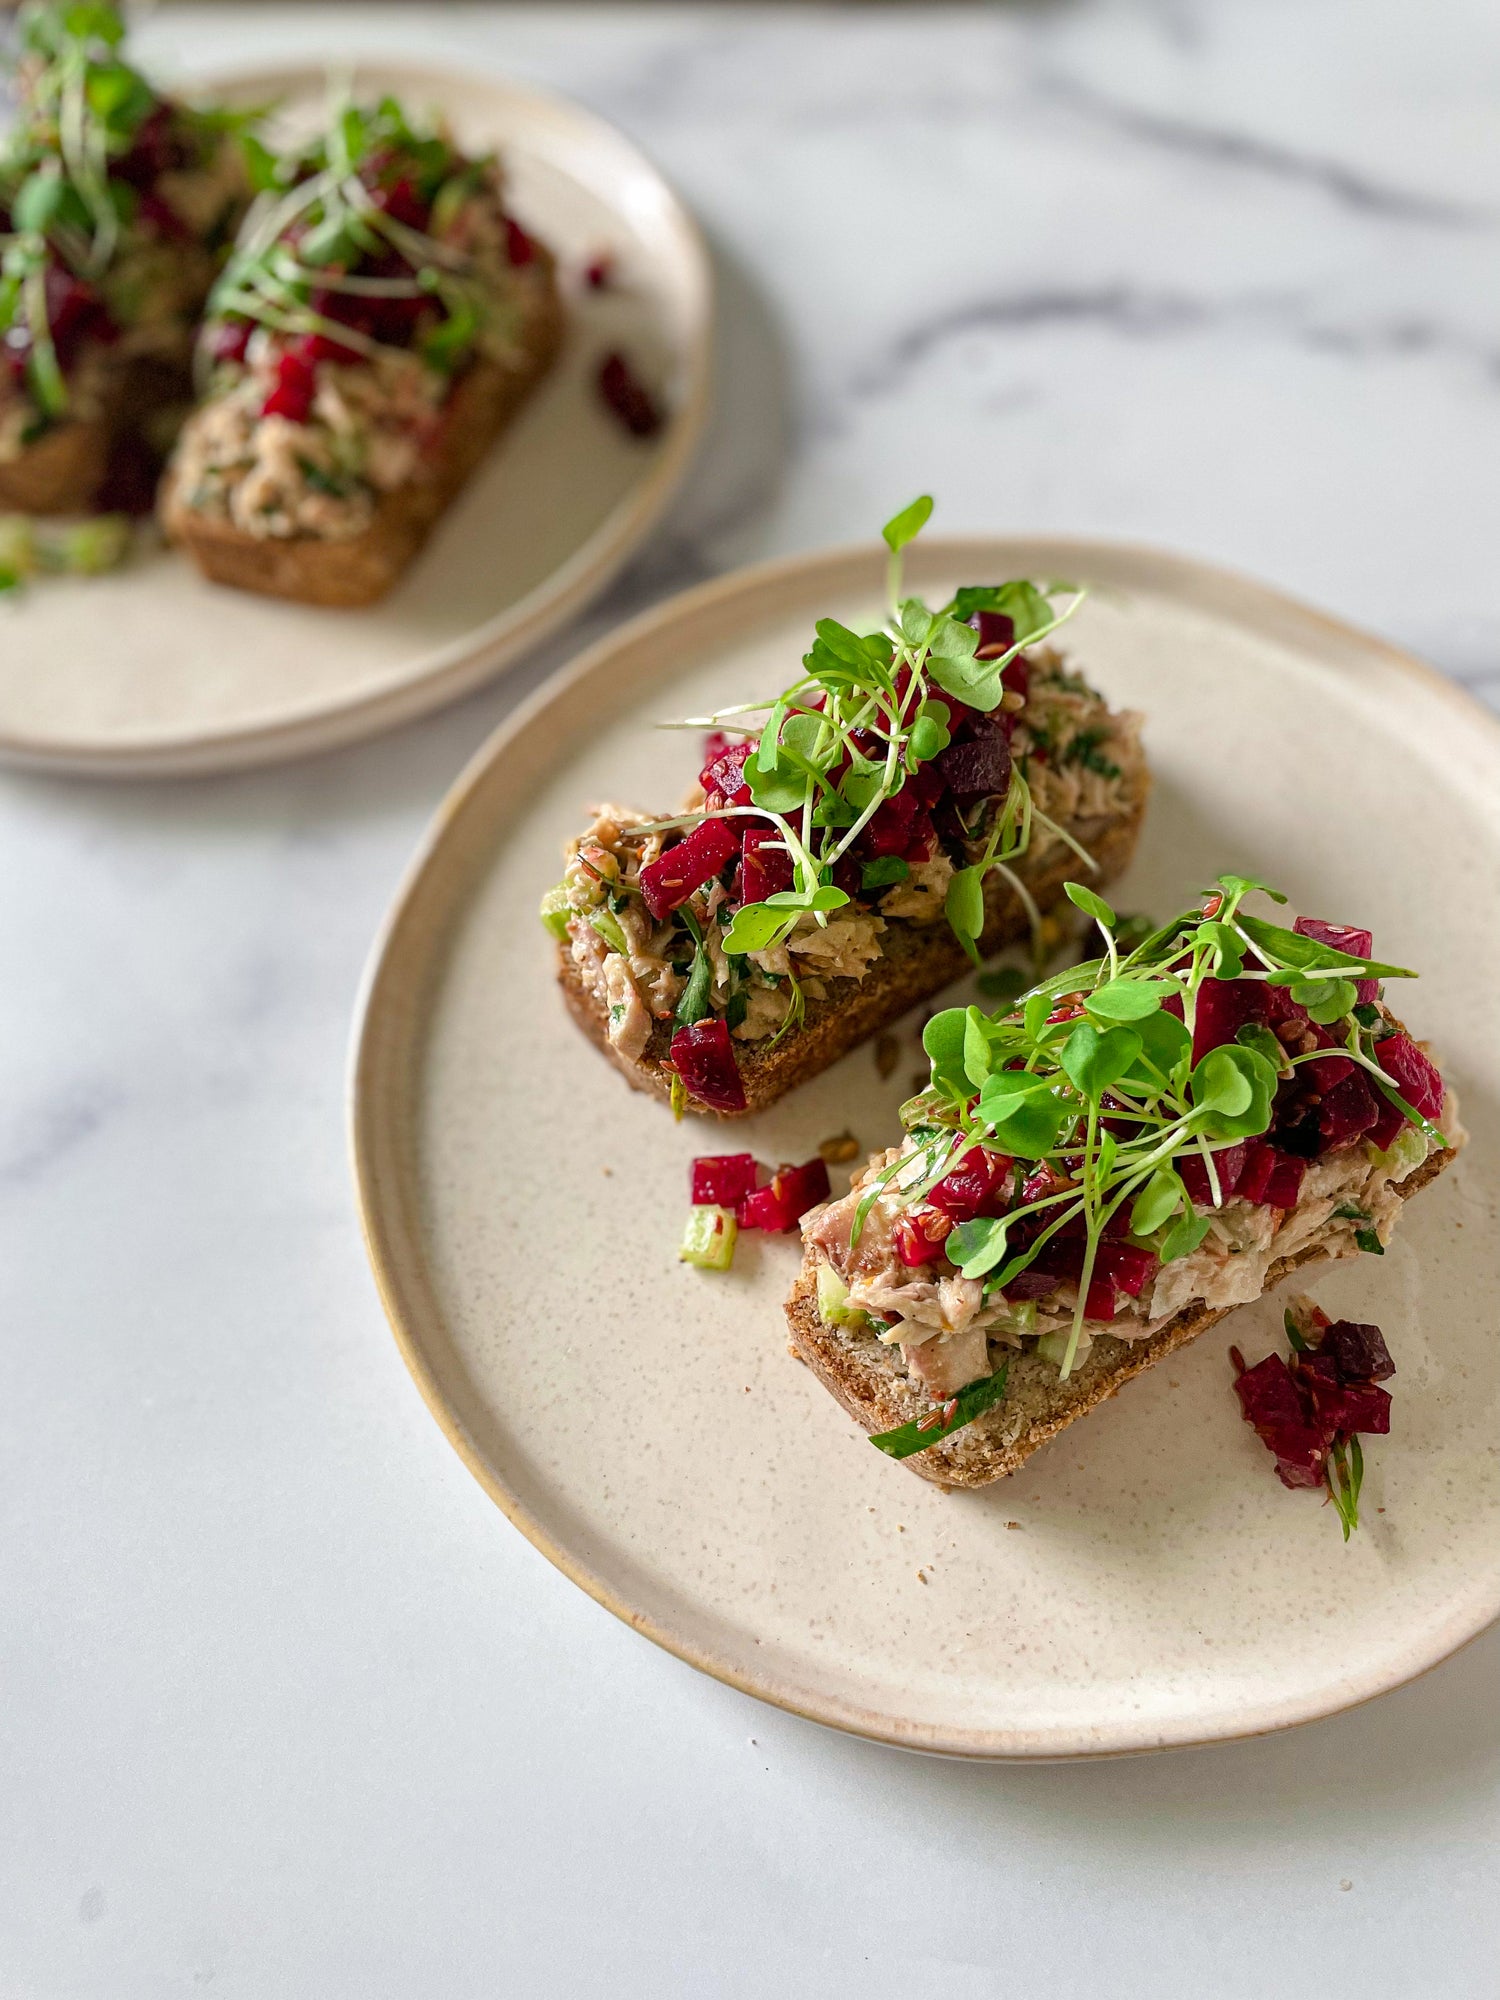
(1087, 1081)
(870, 711)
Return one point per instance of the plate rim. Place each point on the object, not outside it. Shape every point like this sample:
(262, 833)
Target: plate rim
(567, 591)
(1067, 1745)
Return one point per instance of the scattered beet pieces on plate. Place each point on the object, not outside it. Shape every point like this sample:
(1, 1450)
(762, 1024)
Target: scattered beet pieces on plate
(729, 1195)
(1310, 1413)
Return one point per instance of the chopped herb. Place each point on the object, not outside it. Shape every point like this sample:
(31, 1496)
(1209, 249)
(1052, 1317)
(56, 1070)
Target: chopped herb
(924, 1432)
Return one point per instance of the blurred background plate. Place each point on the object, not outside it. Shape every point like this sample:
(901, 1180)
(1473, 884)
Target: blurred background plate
(1144, 1581)
(154, 671)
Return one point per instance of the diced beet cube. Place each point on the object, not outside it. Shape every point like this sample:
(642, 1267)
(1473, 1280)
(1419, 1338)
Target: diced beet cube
(926, 785)
(1268, 1395)
(1345, 1407)
(1029, 1284)
(1224, 1006)
(519, 247)
(1281, 1008)
(719, 1180)
(997, 634)
(294, 389)
(1301, 1456)
(229, 338)
(1357, 1351)
(765, 866)
(724, 772)
(1099, 1301)
(1285, 1182)
(703, 1057)
(1343, 937)
(667, 882)
(1413, 1074)
(1388, 1123)
(1126, 1266)
(629, 398)
(1327, 1072)
(980, 766)
(923, 840)
(1229, 1164)
(1348, 1110)
(786, 1198)
(975, 1187)
(912, 1243)
(890, 830)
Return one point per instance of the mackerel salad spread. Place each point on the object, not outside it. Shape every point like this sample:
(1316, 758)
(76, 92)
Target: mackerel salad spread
(1139, 1135)
(375, 268)
(885, 789)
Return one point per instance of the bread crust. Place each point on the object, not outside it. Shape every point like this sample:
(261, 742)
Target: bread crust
(865, 1377)
(919, 960)
(62, 472)
(360, 569)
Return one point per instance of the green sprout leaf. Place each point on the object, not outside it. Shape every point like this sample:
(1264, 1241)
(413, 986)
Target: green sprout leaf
(964, 907)
(1157, 1202)
(1025, 606)
(1294, 950)
(1256, 1035)
(908, 524)
(883, 872)
(924, 1432)
(1183, 1239)
(1091, 905)
(1128, 999)
(1023, 1114)
(943, 1040)
(1326, 1000)
(977, 1247)
(1093, 1061)
(1234, 1086)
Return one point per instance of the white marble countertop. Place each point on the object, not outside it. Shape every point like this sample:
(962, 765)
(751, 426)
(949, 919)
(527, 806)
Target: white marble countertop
(285, 1707)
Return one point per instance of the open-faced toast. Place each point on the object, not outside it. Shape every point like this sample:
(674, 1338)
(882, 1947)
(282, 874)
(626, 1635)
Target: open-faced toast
(373, 335)
(914, 803)
(1089, 1185)
(106, 274)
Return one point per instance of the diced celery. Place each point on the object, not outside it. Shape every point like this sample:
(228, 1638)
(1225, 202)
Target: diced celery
(555, 909)
(1408, 1150)
(709, 1239)
(607, 924)
(1020, 1318)
(1053, 1347)
(832, 1292)
(92, 547)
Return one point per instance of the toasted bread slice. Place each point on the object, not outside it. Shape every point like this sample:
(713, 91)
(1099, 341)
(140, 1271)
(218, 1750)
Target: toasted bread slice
(359, 569)
(868, 1378)
(64, 470)
(918, 961)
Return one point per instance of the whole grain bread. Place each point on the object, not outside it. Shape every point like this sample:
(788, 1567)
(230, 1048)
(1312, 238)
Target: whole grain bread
(867, 1378)
(918, 961)
(359, 569)
(63, 471)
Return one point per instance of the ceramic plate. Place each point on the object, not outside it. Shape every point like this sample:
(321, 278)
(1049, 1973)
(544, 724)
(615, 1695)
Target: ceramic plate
(1144, 1581)
(153, 670)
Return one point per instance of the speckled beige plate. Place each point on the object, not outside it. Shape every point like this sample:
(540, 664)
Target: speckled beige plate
(155, 671)
(1145, 1580)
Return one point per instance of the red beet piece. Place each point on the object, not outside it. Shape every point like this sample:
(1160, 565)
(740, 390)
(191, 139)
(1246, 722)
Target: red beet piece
(786, 1198)
(1100, 1301)
(1126, 1267)
(997, 634)
(1030, 1284)
(722, 1179)
(1413, 1074)
(630, 400)
(890, 830)
(1268, 1395)
(1347, 1111)
(1285, 1182)
(975, 1187)
(1343, 937)
(1327, 1072)
(518, 245)
(923, 839)
(229, 339)
(667, 882)
(912, 1243)
(295, 386)
(1301, 1456)
(980, 766)
(1388, 1122)
(1358, 1351)
(1224, 1007)
(724, 772)
(926, 784)
(598, 273)
(1229, 1164)
(765, 867)
(1344, 1407)
(703, 1057)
